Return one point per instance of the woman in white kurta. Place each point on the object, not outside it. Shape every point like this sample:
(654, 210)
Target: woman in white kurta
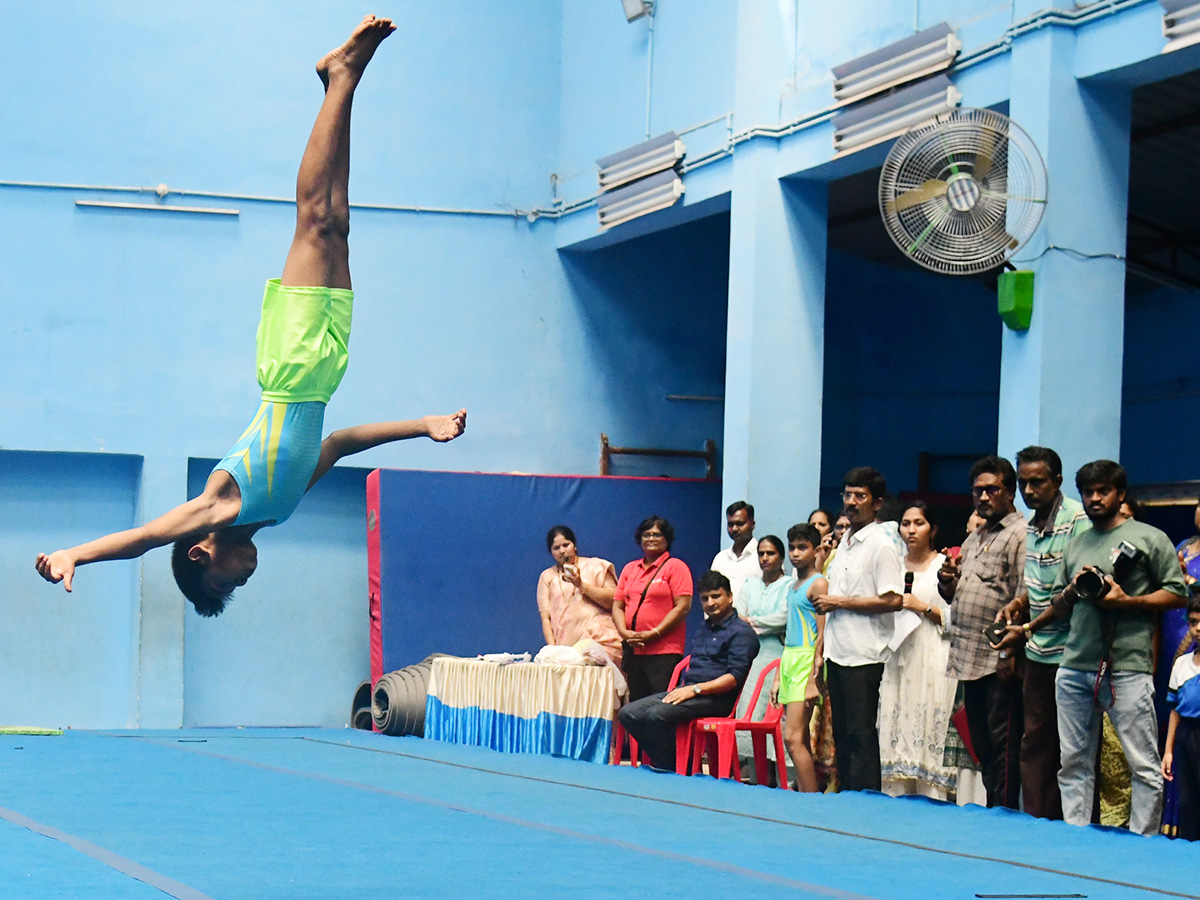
(762, 602)
(916, 697)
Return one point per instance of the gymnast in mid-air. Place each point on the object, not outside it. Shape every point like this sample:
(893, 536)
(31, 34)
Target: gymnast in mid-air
(301, 357)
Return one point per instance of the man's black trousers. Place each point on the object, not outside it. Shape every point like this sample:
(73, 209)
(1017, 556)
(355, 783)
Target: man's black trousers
(854, 706)
(652, 723)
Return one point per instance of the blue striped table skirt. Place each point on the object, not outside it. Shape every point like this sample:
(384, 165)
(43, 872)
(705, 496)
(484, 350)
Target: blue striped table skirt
(522, 707)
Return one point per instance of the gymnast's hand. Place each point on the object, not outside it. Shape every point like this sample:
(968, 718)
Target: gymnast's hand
(446, 428)
(58, 566)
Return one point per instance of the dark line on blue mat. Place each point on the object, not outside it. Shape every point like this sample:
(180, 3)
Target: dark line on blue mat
(758, 818)
(727, 868)
(125, 866)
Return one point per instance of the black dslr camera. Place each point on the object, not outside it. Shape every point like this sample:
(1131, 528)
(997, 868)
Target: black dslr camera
(1090, 584)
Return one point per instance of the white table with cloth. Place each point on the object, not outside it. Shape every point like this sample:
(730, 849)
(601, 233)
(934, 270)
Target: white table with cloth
(522, 707)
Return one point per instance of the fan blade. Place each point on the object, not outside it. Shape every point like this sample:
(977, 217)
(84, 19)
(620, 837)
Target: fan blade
(984, 158)
(930, 190)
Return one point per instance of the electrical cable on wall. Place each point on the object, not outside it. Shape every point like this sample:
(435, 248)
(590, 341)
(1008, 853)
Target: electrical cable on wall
(1072, 252)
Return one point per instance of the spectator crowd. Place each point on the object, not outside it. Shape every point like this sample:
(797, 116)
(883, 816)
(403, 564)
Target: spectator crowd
(1049, 664)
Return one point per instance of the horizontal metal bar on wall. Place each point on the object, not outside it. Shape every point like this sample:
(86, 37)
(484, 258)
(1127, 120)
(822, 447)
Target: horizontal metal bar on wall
(259, 198)
(557, 210)
(152, 207)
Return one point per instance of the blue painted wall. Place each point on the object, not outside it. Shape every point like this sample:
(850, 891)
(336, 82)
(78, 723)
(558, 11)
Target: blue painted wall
(1159, 426)
(134, 332)
(291, 640)
(912, 365)
(128, 345)
(605, 63)
(654, 314)
(68, 659)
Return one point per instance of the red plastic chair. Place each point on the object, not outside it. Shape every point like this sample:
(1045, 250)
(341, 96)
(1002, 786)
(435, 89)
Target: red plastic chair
(619, 735)
(686, 738)
(722, 732)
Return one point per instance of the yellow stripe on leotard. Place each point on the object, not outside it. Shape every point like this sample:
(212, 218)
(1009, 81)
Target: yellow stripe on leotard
(245, 455)
(288, 436)
(277, 417)
(262, 409)
(263, 424)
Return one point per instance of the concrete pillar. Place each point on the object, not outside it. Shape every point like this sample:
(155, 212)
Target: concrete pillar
(776, 340)
(1060, 382)
(776, 332)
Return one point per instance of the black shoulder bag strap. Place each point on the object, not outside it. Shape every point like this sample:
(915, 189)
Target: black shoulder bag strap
(633, 622)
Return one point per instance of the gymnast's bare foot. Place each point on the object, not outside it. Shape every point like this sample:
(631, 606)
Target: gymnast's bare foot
(349, 60)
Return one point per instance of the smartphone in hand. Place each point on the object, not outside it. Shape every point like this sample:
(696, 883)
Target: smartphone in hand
(995, 632)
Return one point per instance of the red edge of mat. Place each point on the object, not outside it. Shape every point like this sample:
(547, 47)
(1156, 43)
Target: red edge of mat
(373, 580)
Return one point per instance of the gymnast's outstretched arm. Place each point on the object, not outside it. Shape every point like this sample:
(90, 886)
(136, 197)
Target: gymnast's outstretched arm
(349, 441)
(216, 508)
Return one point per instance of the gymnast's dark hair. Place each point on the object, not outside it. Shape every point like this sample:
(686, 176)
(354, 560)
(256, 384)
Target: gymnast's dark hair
(189, 575)
(560, 530)
(663, 525)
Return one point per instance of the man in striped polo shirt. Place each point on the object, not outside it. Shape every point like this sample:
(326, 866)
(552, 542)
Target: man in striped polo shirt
(1055, 521)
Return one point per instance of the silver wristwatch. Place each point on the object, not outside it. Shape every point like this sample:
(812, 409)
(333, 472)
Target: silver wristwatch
(696, 689)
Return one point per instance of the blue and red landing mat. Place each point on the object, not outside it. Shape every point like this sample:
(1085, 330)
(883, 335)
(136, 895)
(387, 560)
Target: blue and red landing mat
(311, 813)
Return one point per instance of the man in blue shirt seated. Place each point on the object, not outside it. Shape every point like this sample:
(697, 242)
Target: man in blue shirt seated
(721, 656)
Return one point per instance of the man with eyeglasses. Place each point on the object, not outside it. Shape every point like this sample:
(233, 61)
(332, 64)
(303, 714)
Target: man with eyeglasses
(989, 574)
(866, 584)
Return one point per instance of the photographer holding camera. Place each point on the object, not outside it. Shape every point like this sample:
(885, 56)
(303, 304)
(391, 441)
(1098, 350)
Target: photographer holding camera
(1114, 581)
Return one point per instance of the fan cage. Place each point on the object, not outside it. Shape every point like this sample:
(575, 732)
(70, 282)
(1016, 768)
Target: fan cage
(1005, 164)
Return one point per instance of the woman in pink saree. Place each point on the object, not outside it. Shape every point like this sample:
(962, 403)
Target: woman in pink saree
(575, 595)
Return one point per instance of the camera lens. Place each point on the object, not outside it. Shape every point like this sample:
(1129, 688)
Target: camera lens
(1089, 584)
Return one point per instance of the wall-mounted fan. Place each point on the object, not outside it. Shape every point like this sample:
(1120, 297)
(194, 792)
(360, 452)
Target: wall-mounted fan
(960, 194)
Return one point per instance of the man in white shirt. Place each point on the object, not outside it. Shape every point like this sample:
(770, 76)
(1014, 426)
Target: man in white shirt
(866, 584)
(739, 562)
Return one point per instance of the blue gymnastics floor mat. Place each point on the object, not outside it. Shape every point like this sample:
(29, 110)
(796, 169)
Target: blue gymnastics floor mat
(312, 813)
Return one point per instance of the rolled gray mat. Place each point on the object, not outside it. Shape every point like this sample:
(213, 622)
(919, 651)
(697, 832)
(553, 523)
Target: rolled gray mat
(398, 703)
(360, 708)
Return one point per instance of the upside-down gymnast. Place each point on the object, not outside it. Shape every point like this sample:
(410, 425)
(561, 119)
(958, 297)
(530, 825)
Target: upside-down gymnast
(301, 357)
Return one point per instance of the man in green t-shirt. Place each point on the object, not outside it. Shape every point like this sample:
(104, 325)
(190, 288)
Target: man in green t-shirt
(1106, 662)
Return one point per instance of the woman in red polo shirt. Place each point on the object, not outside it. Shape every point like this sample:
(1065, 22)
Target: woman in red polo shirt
(653, 597)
